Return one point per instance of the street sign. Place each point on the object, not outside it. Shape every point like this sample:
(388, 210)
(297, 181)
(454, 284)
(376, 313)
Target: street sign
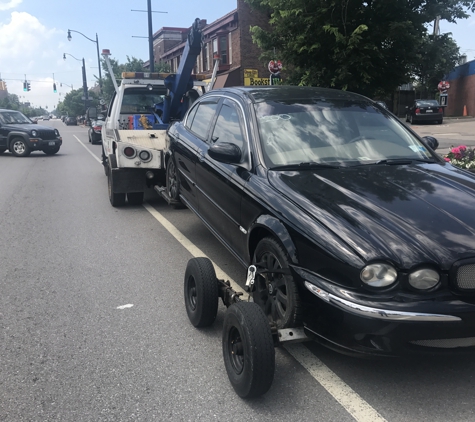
(256, 81)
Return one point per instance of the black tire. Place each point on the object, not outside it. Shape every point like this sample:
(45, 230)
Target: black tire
(90, 139)
(19, 148)
(248, 349)
(116, 199)
(105, 162)
(276, 293)
(51, 151)
(201, 292)
(135, 198)
(440, 121)
(173, 184)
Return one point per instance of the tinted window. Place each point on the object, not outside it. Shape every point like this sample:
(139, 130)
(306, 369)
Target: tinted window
(190, 117)
(228, 126)
(204, 114)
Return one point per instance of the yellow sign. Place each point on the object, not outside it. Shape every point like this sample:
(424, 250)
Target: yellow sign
(251, 73)
(256, 81)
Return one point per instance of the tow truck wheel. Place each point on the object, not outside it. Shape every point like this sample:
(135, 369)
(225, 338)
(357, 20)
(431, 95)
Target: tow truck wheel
(201, 292)
(135, 198)
(116, 199)
(248, 349)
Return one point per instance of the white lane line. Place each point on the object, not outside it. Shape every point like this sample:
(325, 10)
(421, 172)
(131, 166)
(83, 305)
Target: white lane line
(344, 394)
(88, 150)
(189, 246)
(351, 401)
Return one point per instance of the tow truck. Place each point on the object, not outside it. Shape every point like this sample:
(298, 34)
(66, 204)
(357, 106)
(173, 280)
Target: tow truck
(141, 109)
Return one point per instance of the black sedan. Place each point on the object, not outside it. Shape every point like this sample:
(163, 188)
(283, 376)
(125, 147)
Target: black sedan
(95, 135)
(71, 121)
(360, 232)
(425, 111)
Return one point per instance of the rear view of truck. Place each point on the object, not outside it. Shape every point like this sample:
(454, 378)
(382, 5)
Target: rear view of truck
(134, 131)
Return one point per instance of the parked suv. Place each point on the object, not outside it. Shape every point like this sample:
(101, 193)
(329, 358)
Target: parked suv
(21, 135)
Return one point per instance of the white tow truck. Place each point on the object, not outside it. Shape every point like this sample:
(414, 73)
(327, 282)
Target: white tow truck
(134, 131)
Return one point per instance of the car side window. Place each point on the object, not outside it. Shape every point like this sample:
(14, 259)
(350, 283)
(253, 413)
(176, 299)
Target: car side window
(190, 117)
(203, 117)
(228, 126)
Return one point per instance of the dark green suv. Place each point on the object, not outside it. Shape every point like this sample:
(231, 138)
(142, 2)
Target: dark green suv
(21, 135)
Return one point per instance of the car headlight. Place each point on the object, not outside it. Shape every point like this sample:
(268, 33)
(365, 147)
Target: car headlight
(34, 133)
(56, 132)
(424, 279)
(378, 275)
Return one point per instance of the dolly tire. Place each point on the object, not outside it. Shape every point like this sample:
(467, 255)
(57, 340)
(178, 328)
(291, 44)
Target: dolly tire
(116, 199)
(248, 349)
(201, 292)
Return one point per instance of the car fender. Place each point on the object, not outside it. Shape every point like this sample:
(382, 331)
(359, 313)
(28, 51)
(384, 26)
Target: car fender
(14, 134)
(276, 228)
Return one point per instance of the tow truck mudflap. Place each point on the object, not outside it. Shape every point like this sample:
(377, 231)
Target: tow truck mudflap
(129, 180)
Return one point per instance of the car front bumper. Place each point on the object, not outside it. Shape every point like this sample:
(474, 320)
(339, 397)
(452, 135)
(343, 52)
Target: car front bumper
(39, 144)
(349, 323)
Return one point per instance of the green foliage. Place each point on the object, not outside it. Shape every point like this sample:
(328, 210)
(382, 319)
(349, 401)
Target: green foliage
(12, 102)
(74, 105)
(437, 56)
(366, 46)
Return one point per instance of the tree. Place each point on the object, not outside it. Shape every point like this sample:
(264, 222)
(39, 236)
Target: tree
(73, 104)
(438, 55)
(366, 46)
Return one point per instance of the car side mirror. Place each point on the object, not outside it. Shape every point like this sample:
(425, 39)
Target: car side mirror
(431, 142)
(407, 107)
(225, 152)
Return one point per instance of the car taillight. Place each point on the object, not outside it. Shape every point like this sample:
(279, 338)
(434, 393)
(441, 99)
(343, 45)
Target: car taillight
(98, 128)
(129, 152)
(418, 110)
(441, 110)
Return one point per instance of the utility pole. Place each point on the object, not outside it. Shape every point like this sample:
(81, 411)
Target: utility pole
(150, 32)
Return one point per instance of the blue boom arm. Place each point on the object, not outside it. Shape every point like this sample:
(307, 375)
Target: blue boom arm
(181, 82)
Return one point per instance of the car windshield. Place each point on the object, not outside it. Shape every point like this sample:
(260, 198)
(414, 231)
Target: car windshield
(13, 117)
(345, 132)
(427, 103)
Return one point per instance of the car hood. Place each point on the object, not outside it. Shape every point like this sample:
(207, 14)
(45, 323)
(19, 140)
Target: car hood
(28, 127)
(409, 214)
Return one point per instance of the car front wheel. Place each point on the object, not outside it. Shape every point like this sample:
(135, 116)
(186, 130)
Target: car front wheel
(275, 290)
(19, 148)
(173, 185)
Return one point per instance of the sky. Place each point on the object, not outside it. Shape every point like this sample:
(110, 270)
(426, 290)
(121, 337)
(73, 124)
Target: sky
(33, 38)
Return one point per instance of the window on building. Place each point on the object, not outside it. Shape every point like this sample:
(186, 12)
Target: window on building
(223, 49)
(205, 57)
(230, 58)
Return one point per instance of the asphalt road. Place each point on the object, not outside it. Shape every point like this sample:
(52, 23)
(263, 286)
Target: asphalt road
(93, 325)
(452, 132)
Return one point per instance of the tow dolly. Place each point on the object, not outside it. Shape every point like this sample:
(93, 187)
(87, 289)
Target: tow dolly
(249, 336)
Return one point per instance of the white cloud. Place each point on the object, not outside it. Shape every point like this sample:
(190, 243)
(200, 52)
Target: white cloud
(11, 4)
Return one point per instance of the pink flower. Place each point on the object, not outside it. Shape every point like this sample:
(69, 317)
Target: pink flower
(455, 150)
(462, 148)
(447, 159)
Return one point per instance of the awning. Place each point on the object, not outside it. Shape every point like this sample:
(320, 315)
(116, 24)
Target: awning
(220, 81)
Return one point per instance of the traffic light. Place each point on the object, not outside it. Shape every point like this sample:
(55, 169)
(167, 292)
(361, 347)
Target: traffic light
(28, 86)
(54, 88)
(24, 86)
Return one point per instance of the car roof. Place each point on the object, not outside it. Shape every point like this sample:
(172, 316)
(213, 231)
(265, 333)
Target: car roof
(280, 92)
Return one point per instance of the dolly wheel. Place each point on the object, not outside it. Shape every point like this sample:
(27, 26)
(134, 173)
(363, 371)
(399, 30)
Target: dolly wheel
(201, 292)
(248, 349)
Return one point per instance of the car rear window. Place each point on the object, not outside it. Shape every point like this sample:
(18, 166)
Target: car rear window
(427, 103)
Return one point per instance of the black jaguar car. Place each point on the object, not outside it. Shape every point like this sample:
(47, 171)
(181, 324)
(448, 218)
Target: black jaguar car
(366, 235)
(425, 111)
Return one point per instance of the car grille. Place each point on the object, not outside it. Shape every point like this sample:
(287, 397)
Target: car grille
(446, 343)
(465, 277)
(46, 134)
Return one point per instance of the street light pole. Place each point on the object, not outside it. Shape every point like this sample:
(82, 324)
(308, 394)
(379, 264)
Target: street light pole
(98, 56)
(84, 79)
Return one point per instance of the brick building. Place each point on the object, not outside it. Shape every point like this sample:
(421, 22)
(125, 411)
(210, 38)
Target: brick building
(461, 94)
(228, 38)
